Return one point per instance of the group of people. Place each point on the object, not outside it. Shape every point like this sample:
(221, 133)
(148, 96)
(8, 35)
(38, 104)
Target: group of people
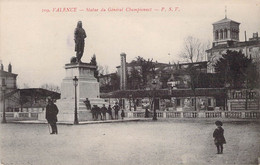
(97, 111)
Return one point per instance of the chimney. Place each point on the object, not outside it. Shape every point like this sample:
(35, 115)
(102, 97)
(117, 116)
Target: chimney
(123, 72)
(245, 36)
(10, 68)
(2, 66)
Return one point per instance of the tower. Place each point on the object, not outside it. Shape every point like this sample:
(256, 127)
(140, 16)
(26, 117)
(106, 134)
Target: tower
(123, 72)
(225, 31)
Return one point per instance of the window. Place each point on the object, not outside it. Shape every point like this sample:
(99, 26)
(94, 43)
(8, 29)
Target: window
(3, 81)
(209, 102)
(192, 102)
(225, 33)
(178, 102)
(216, 35)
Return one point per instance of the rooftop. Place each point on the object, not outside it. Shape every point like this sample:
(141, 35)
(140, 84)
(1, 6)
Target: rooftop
(5, 73)
(225, 20)
(235, 45)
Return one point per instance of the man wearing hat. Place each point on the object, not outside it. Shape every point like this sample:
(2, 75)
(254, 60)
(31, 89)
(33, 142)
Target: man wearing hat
(116, 108)
(51, 115)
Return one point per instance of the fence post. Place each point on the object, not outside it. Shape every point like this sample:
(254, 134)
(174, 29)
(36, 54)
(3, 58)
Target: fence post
(164, 114)
(182, 115)
(223, 115)
(130, 114)
(16, 115)
(201, 114)
(243, 115)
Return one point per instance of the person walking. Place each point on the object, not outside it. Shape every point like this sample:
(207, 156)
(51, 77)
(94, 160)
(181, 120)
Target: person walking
(98, 110)
(218, 136)
(51, 115)
(147, 113)
(122, 114)
(116, 108)
(93, 111)
(109, 111)
(104, 111)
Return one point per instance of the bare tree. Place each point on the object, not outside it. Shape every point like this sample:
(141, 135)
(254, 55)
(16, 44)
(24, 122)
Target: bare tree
(103, 70)
(194, 50)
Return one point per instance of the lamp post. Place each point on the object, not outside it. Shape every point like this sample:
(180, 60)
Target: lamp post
(154, 110)
(75, 81)
(3, 89)
(130, 96)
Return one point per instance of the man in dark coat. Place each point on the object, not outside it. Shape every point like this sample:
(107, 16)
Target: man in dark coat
(104, 111)
(109, 111)
(51, 115)
(219, 138)
(147, 113)
(99, 112)
(116, 108)
(93, 111)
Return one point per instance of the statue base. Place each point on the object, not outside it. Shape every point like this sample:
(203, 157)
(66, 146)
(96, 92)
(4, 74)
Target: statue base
(87, 87)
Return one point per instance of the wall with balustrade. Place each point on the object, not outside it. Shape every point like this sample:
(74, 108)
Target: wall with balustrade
(199, 114)
(13, 116)
(10, 116)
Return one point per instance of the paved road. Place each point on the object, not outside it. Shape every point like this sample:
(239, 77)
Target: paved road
(162, 142)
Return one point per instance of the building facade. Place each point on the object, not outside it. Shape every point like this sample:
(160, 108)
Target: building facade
(8, 86)
(226, 37)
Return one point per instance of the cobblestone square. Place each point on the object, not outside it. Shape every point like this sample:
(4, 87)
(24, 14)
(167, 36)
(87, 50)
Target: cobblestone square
(132, 143)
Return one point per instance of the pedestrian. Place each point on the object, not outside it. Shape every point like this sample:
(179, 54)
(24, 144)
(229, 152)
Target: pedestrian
(146, 114)
(219, 138)
(104, 111)
(109, 111)
(93, 111)
(51, 115)
(122, 114)
(116, 108)
(98, 110)
(87, 103)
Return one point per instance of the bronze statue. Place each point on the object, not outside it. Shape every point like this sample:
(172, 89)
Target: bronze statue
(79, 37)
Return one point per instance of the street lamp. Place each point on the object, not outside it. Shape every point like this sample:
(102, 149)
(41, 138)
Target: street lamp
(3, 89)
(75, 82)
(130, 96)
(154, 110)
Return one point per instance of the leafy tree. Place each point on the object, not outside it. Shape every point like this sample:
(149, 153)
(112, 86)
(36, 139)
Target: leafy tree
(147, 68)
(93, 61)
(115, 82)
(134, 79)
(252, 76)
(235, 68)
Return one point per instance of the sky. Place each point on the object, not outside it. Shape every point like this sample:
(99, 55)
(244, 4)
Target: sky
(37, 38)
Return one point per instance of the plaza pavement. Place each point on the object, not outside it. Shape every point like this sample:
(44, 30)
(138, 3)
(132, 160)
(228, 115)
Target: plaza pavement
(166, 141)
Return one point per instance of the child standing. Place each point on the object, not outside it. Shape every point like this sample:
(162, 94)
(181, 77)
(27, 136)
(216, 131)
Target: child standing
(123, 114)
(219, 138)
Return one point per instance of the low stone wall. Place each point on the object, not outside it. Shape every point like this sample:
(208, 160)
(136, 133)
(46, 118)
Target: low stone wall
(87, 116)
(20, 115)
(199, 114)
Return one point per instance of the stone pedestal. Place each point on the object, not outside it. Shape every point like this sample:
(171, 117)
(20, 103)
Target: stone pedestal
(87, 87)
